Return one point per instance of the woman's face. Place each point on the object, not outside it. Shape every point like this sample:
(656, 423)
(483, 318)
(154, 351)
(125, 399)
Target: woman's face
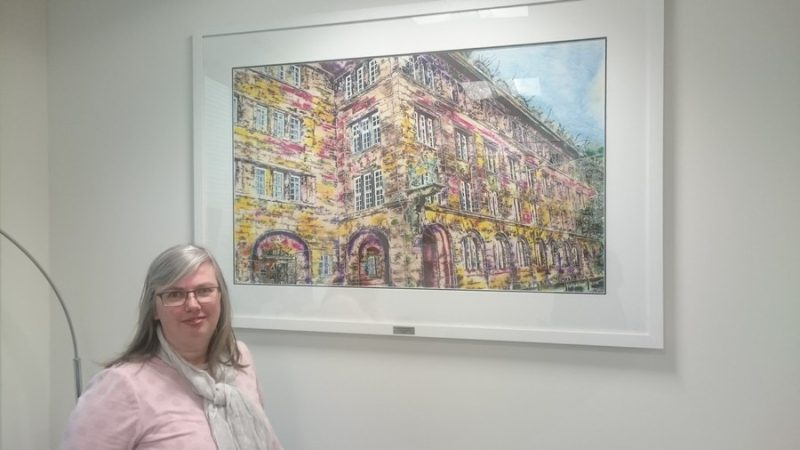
(188, 328)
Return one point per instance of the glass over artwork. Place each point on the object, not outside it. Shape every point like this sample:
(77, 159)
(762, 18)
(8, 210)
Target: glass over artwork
(474, 169)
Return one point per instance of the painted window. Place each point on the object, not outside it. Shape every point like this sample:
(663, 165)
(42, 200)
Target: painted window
(278, 123)
(277, 185)
(548, 186)
(493, 205)
(260, 181)
(295, 129)
(465, 195)
(260, 117)
(365, 133)
(374, 71)
(378, 178)
(368, 190)
(421, 175)
(278, 72)
(523, 253)
(518, 131)
(358, 193)
(561, 260)
(369, 199)
(472, 250)
(292, 74)
(423, 72)
(360, 78)
(491, 158)
(375, 128)
(541, 253)
(293, 192)
(462, 145)
(370, 265)
(325, 265)
(502, 258)
(373, 263)
(423, 126)
(348, 86)
(286, 126)
(439, 198)
(513, 166)
(296, 75)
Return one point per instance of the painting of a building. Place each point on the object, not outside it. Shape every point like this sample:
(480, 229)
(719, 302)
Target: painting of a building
(412, 171)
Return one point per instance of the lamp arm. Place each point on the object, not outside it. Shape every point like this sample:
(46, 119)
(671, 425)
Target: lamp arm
(76, 360)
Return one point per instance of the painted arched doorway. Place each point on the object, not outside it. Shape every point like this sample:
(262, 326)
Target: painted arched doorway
(437, 258)
(368, 259)
(280, 257)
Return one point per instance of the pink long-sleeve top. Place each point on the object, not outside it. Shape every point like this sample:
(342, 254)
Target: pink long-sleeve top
(149, 405)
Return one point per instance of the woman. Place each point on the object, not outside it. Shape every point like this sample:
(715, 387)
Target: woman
(184, 381)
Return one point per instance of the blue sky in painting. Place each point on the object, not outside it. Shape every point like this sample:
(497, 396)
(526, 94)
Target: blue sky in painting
(566, 81)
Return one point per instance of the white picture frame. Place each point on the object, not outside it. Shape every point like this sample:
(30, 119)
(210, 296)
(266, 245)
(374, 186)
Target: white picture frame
(628, 314)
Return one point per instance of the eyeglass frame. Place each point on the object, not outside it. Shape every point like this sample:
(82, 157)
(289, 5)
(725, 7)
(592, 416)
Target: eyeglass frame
(211, 297)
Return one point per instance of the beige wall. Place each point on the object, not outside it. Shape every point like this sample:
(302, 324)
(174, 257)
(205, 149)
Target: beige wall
(119, 98)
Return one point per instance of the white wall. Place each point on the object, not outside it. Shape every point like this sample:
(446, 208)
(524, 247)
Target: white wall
(24, 213)
(729, 377)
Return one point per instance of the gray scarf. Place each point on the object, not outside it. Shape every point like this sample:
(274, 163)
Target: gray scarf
(236, 423)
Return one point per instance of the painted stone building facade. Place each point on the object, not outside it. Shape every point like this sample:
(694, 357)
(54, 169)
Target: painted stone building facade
(406, 171)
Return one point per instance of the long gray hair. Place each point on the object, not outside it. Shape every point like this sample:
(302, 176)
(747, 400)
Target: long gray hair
(166, 270)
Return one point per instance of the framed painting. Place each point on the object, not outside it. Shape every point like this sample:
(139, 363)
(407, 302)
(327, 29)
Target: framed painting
(483, 173)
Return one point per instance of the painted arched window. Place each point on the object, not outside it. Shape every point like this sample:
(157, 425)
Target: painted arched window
(551, 259)
(560, 259)
(541, 253)
(502, 253)
(575, 256)
(472, 246)
(523, 252)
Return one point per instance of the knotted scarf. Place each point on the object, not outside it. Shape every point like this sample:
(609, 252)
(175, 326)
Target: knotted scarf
(236, 423)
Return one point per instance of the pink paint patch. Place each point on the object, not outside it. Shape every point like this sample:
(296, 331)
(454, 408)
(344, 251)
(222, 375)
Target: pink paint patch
(364, 103)
(298, 92)
(460, 122)
(491, 135)
(294, 148)
(302, 105)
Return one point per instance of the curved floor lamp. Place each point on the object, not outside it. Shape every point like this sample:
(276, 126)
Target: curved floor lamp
(76, 360)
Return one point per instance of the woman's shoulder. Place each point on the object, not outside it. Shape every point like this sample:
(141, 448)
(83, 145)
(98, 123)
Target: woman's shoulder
(121, 370)
(242, 346)
(140, 375)
(130, 366)
(146, 383)
(114, 385)
(135, 368)
(245, 357)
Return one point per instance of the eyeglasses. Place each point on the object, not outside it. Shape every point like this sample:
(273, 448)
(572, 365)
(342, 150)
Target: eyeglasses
(178, 297)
